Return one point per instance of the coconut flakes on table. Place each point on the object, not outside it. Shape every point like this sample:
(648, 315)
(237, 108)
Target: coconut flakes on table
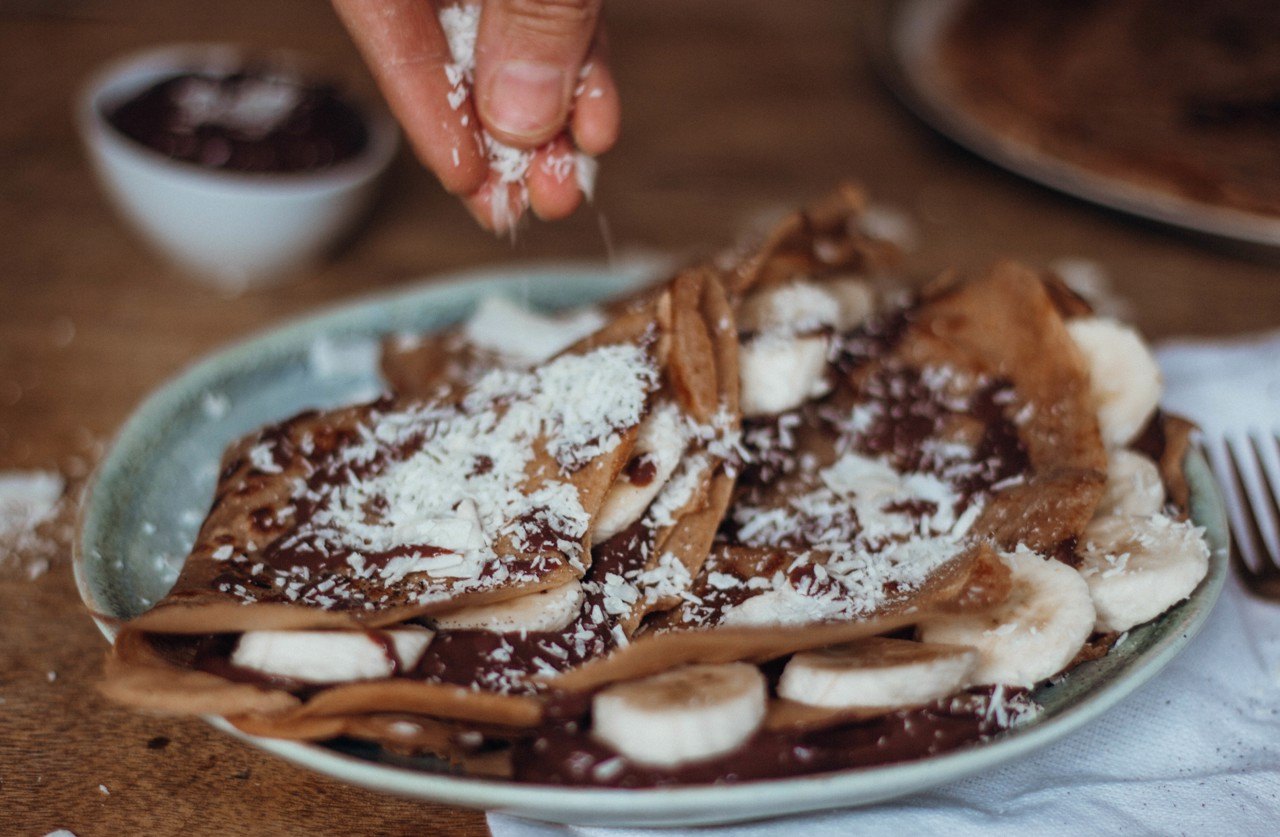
(30, 503)
(27, 499)
(461, 25)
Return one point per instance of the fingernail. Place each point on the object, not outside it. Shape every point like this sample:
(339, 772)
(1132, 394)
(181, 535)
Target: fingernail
(525, 98)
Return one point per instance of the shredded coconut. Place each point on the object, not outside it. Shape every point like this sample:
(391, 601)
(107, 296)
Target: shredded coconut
(347, 357)
(429, 507)
(795, 308)
(668, 578)
(521, 336)
(872, 525)
(890, 224)
(215, 405)
(510, 166)
(27, 499)
(689, 476)
(30, 504)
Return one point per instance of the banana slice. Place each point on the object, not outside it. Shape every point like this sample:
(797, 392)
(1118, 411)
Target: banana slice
(876, 673)
(1123, 376)
(683, 715)
(660, 443)
(1138, 567)
(1134, 486)
(546, 610)
(330, 656)
(1033, 634)
(779, 372)
(794, 308)
(783, 364)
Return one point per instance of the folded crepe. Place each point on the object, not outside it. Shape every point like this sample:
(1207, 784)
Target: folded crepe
(654, 528)
(758, 457)
(938, 429)
(397, 512)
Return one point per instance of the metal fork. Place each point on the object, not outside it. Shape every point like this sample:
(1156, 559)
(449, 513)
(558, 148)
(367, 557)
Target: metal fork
(1255, 557)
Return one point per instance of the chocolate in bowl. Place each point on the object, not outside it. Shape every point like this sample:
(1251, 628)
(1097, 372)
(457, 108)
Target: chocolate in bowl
(255, 120)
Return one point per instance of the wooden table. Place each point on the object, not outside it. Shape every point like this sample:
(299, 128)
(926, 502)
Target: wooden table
(733, 110)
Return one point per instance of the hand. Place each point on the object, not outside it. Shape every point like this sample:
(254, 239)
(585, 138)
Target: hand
(541, 82)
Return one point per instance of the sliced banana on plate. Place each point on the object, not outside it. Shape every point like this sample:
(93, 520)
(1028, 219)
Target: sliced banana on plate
(660, 442)
(793, 308)
(331, 656)
(1134, 485)
(683, 715)
(779, 372)
(877, 672)
(783, 363)
(1033, 634)
(1136, 568)
(1124, 379)
(545, 610)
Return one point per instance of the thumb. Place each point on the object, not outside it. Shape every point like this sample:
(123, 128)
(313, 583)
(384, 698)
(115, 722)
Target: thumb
(528, 54)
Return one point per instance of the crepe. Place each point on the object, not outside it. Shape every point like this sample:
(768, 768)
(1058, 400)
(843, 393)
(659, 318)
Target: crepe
(825, 239)
(644, 565)
(246, 573)
(944, 426)
(972, 581)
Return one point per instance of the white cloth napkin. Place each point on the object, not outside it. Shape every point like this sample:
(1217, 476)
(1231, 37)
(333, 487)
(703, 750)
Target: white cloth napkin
(1195, 751)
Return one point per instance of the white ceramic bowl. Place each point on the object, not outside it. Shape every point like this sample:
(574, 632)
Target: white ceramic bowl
(230, 229)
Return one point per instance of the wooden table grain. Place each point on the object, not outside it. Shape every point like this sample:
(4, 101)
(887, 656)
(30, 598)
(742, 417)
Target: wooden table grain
(734, 109)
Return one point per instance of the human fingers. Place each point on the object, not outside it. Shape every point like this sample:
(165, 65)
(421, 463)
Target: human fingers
(554, 191)
(405, 48)
(597, 111)
(528, 56)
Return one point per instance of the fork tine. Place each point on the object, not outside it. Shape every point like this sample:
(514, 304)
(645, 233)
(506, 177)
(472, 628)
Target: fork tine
(1270, 501)
(1249, 536)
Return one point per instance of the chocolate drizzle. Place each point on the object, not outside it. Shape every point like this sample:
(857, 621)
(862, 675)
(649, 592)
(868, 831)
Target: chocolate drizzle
(874, 339)
(301, 562)
(507, 662)
(641, 470)
(565, 753)
(896, 415)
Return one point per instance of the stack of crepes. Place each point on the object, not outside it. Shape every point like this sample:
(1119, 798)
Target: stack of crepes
(606, 547)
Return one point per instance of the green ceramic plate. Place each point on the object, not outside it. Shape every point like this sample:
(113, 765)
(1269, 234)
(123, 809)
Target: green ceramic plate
(150, 494)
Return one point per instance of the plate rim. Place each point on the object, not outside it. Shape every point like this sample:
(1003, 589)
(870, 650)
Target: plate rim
(906, 32)
(700, 804)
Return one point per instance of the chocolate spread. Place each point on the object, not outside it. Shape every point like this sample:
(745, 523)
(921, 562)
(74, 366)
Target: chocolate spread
(509, 662)
(249, 121)
(565, 753)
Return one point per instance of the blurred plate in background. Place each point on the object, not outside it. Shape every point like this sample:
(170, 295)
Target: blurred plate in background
(908, 33)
